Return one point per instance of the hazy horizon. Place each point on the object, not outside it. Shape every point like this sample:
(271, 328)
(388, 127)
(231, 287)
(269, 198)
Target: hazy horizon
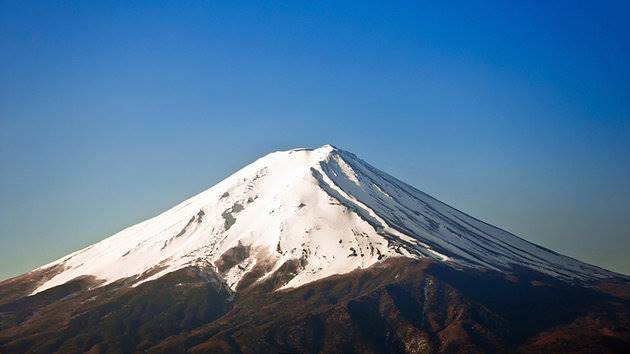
(516, 114)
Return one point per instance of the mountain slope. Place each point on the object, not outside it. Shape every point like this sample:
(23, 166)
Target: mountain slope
(324, 208)
(400, 305)
(314, 250)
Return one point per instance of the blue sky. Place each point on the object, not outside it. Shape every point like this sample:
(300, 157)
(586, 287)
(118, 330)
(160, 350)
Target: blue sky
(111, 112)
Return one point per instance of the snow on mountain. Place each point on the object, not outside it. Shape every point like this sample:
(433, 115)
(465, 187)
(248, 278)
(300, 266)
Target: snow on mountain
(324, 209)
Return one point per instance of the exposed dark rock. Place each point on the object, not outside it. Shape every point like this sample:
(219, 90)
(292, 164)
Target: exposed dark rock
(232, 257)
(354, 252)
(228, 215)
(398, 305)
(112, 318)
(23, 285)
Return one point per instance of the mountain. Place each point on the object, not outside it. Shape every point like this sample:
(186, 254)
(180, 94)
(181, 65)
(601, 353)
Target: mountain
(314, 250)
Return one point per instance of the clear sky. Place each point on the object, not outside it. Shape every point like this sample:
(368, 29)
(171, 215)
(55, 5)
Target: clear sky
(111, 112)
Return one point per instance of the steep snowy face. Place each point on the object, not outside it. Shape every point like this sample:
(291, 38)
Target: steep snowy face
(324, 211)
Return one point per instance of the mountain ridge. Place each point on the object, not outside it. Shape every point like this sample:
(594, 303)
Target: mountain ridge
(314, 251)
(326, 209)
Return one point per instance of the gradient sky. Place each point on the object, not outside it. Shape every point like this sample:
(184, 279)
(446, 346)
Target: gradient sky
(111, 112)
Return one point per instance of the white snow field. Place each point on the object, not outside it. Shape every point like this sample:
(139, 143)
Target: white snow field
(325, 207)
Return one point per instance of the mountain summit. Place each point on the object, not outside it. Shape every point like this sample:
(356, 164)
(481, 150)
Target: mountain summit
(325, 212)
(314, 251)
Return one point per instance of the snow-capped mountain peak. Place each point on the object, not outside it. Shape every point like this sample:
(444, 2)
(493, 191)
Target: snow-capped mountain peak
(317, 212)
